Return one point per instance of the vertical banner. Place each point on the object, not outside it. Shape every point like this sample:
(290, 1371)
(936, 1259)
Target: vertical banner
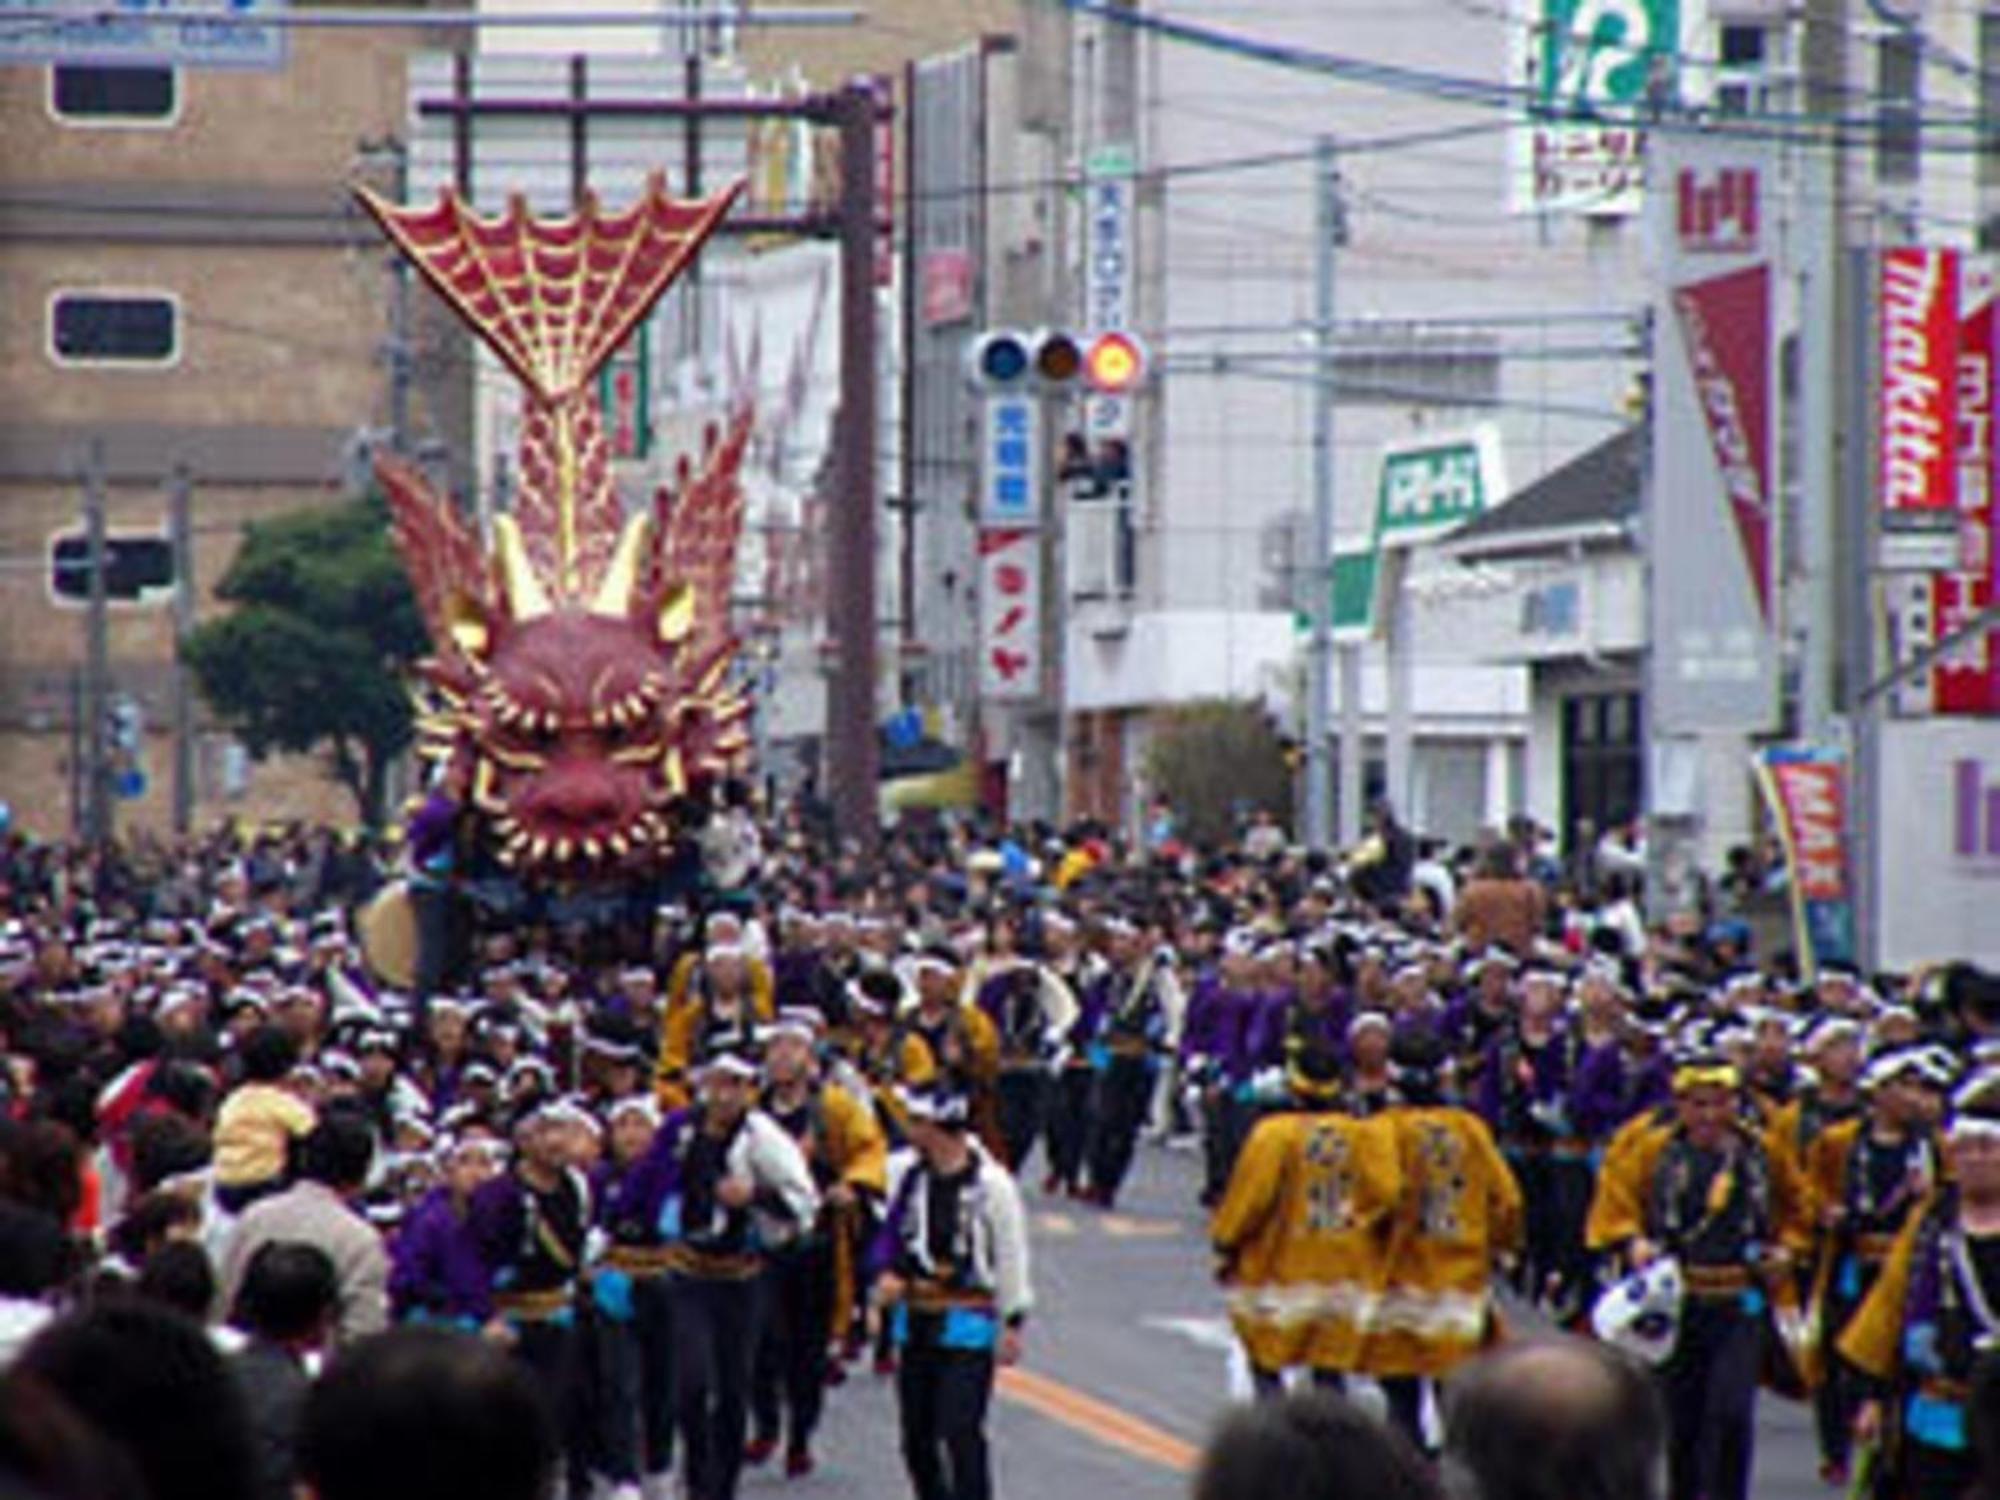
(1010, 614)
(1710, 506)
(1966, 679)
(1107, 273)
(1010, 462)
(1808, 796)
(1917, 361)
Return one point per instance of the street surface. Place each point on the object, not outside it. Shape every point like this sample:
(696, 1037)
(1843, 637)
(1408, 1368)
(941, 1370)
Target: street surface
(1127, 1367)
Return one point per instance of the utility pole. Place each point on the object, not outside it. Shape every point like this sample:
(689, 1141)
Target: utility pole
(1319, 561)
(852, 753)
(180, 535)
(97, 654)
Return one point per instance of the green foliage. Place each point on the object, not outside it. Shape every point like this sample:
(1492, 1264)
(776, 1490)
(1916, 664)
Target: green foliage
(312, 656)
(1216, 761)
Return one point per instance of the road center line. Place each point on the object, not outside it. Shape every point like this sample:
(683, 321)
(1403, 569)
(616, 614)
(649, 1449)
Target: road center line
(1097, 1419)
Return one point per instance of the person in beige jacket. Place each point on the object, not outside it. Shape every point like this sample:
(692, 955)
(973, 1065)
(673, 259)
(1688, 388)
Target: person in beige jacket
(317, 1210)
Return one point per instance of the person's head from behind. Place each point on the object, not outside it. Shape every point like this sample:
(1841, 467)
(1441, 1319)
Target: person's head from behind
(338, 1150)
(1309, 1447)
(269, 1054)
(290, 1295)
(1562, 1419)
(416, 1413)
(153, 1384)
(178, 1275)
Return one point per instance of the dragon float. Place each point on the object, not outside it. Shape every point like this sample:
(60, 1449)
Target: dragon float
(580, 678)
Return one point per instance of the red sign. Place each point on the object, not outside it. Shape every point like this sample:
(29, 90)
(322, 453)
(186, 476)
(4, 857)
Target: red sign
(945, 283)
(1010, 608)
(1726, 321)
(1917, 291)
(1812, 797)
(1716, 213)
(1967, 678)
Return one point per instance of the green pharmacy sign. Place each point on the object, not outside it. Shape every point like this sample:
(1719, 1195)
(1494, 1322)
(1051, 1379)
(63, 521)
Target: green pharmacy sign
(1606, 59)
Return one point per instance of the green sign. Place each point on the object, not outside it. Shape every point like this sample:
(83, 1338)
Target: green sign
(1354, 575)
(1605, 59)
(1427, 490)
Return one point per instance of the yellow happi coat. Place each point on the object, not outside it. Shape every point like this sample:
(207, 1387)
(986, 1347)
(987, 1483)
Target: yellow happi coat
(1460, 1207)
(1302, 1234)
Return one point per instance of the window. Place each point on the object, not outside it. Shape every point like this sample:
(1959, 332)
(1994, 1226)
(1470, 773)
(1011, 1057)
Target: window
(94, 94)
(1741, 46)
(114, 328)
(1899, 126)
(136, 568)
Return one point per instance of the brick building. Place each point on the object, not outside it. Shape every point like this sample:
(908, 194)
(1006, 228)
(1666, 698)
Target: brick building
(184, 282)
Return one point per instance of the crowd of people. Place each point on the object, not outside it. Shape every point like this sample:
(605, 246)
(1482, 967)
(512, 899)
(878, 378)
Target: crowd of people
(659, 1185)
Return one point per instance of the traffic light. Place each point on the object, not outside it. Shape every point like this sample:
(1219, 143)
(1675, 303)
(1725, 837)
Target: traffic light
(1115, 364)
(1055, 360)
(136, 568)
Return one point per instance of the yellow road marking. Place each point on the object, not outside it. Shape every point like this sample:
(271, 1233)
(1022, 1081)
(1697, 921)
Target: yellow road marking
(1097, 1419)
(1118, 1226)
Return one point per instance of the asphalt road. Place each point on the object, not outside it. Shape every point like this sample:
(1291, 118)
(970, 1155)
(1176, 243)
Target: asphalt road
(1127, 1367)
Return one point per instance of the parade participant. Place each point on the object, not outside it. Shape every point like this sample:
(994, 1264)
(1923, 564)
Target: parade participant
(725, 1184)
(891, 1056)
(1484, 1014)
(1868, 1175)
(959, 1034)
(1075, 1078)
(528, 1228)
(950, 1273)
(1030, 1009)
(811, 1279)
(717, 1001)
(1301, 1235)
(1524, 1096)
(1709, 1194)
(1829, 1092)
(631, 1325)
(1138, 1016)
(1213, 1058)
(1459, 1212)
(1930, 1314)
(1369, 1086)
(435, 1273)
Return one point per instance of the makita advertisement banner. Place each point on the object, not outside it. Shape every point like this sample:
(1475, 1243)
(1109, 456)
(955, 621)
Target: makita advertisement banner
(1807, 790)
(1916, 296)
(1709, 525)
(1966, 679)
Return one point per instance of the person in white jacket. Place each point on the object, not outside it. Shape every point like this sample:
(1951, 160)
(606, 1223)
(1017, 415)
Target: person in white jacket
(729, 1183)
(951, 1275)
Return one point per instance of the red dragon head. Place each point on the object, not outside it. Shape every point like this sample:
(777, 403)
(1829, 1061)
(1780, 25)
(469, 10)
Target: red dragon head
(581, 677)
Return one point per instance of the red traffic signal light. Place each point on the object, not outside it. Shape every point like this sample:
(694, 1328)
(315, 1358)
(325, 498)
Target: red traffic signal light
(1115, 364)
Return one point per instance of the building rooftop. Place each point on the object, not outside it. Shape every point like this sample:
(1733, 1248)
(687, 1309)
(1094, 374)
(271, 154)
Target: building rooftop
(1595, 494)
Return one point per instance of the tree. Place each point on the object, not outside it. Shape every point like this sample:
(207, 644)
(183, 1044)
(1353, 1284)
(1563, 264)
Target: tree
(311, 658)
(1215, 761)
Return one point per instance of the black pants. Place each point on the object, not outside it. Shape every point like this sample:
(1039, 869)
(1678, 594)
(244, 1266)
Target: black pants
(633, 1387)
(1023, 1100)
(715, 1339)
(1710, 1386)
(553, 1355)
(791, 1348)
(1930, 1473)
(1124, 1089)
(1269, 1385)
(1556, 1191)
(942, 1395)
(1069, 1123)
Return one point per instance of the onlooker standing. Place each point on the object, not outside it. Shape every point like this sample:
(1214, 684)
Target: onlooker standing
(259, 1121)
(421, 1413)
(1563, 1419)
(290, 1297)
(1310, 1447)
(318, 1210)
(1500, 906)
